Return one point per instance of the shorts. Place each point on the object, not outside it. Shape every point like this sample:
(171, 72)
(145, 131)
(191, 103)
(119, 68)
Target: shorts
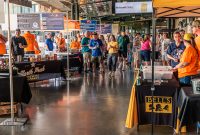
(97, 59)
(86, 57)
(145, 55)
(122, 54)
(164, 57)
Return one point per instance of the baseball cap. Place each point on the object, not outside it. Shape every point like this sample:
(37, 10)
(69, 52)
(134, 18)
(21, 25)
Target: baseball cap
(188, 36)
(95, 33)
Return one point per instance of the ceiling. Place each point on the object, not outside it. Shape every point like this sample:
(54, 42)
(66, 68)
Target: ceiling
(87, 8)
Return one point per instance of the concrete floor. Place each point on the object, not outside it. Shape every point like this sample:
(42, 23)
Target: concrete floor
(88, 105)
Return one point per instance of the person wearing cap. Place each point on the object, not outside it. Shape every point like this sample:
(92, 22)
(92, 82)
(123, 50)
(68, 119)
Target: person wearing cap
(49, 42)
(31, 43)
(75, 45)
(86, 51)
(123, 41)
(96, 47)
(188, 65)
(3, 41)
(18, 43)
(196, 31)
(60, 41)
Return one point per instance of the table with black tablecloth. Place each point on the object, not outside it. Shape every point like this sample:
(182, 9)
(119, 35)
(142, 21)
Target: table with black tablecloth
(165, 104)
(189, 106)
(43, 70)
(21, 89)
(75, 62)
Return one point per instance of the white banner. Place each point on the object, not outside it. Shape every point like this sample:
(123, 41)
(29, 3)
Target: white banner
(2, 13)
(133, 7)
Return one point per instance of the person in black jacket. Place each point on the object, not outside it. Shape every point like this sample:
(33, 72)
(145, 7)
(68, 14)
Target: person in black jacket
(18, 43)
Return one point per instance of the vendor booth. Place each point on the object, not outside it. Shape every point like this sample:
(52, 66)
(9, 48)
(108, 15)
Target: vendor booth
(174, 107)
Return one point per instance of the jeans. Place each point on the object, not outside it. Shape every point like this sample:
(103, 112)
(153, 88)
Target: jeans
(112, 61)
(185, 80)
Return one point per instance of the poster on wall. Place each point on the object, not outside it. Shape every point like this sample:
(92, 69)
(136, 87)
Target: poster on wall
(28, 21)
(104, 29)
(133, 7)
(52, 21)
(2, 14)
(88, 25)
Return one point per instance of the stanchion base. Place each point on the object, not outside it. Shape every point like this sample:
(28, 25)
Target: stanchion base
(16, 122)
(70, 79)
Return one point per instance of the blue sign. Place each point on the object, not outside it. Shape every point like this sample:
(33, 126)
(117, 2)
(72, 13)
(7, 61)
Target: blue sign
(105, 28)
(52, 21)
(88, 25)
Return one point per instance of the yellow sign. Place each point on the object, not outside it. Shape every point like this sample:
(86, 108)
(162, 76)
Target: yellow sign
(144, 7)
(161, 104)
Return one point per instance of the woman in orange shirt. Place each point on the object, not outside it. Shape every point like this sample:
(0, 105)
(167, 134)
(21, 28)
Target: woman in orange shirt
(75, 45)
(60, 41)
(188, 65)
(3, 41)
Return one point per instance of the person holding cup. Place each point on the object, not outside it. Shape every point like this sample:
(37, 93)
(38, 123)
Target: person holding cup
(18, 43)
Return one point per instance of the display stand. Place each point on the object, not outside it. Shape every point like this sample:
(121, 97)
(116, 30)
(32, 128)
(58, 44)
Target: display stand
(153, 59)
(11, 121)
(68, 43)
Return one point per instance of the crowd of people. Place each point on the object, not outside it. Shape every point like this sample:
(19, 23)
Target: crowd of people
(122, 51)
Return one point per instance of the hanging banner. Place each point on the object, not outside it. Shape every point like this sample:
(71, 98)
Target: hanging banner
(104, 29)
(52, 21)
(28, 21)
(88, 25)
(133, 7)
(72, 24)
(2, 13)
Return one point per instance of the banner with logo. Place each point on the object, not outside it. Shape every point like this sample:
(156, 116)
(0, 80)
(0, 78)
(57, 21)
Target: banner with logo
(133, 7)
(88, 25)
(165, 103)
(52, 21)
(104, 28)
(28, 21)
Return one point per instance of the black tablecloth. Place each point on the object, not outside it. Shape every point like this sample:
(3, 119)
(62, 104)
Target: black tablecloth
(189, 104)
(22, 92)
(165, 103)
(36, 71)
(75, 62)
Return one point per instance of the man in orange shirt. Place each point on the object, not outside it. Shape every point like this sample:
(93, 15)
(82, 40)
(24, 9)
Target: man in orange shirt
(60, 41)
(196, 31)
(3, 41)
(75, 45)
(188, 65)
(31, 41)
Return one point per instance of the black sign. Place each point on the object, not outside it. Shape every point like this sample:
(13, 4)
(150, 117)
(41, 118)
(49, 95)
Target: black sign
(53, 21)
(28, 21)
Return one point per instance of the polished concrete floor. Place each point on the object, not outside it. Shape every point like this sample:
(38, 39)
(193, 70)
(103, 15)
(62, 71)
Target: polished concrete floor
(88, 105)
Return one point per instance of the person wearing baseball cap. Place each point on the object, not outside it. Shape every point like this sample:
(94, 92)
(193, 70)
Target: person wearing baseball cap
(196, 31)
(188, 65)
(96, 47)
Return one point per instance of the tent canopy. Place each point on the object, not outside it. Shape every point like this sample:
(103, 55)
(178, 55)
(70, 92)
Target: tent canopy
(176, 8)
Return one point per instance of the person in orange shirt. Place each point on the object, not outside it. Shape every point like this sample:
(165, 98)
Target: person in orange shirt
(188, 65)
(31, 41)
(3, 41)
(75, 45)
(60, 41)
(196, 31)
